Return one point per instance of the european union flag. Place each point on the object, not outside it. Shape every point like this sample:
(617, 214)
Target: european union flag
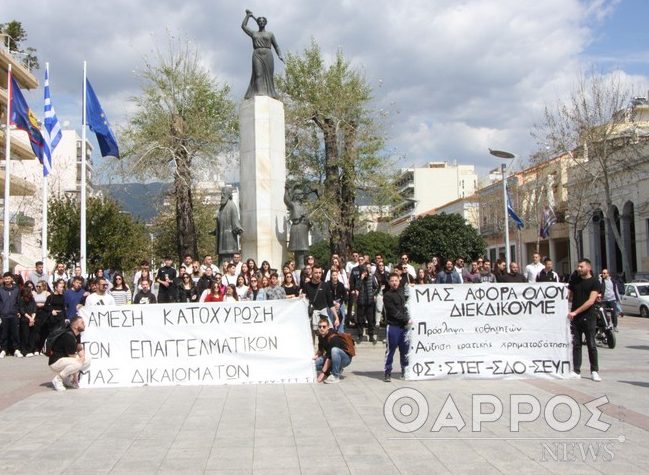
(24, 119)
(98, 123)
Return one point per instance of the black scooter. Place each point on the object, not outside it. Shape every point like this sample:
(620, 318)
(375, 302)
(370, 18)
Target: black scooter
(605, 333)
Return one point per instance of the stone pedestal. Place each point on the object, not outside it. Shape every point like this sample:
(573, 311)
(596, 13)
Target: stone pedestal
(263, 176)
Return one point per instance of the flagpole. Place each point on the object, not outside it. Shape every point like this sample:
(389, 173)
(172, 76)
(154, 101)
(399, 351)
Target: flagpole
(82, 247)
(506, 230)
(44, 234)
(5, 233)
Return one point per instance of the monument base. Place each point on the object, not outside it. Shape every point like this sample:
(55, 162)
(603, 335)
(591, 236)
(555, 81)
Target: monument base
(263, 176)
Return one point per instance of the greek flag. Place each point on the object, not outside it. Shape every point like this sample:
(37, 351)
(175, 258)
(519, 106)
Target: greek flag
(549, 219)
(52, 128)
(512, 214)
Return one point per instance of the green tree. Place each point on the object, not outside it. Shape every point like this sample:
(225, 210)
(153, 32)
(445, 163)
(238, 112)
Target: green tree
(16, 35)
(115, 239)
(321, 252)
(185, 124)
(333, 143)
(164, 230)
(375, 242)
(371, 243)
(443, 235)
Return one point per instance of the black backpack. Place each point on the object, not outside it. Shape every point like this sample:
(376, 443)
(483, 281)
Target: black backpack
(48, 346)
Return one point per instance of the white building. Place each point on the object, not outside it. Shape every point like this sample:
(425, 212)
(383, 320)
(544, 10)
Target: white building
(468, 207)
(27, 211)
(426, 188)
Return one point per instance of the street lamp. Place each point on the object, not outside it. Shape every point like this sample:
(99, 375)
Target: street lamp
(507, 156)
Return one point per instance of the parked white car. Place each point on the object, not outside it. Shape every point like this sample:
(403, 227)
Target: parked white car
(636, 299)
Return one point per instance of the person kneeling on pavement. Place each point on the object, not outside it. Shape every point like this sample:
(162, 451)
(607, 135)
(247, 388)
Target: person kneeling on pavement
(332, 355)
(68, 357)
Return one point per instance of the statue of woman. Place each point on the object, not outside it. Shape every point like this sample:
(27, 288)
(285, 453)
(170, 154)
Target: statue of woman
(298, 217)
(261, 81)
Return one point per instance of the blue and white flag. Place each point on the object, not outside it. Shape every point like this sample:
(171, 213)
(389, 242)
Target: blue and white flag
(52, 127)
(549, 219)
(98, 123)
(512, 214)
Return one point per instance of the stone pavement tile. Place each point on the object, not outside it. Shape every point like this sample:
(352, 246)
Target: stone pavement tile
(187, 439)
(228, 442)
(183, 461)
(80, 471)
(269, 430)
(370, 464)
(326, 443)
(412, 461)
(367, 447)
(136, 466)
(277, 471)
(269, 457)
(228, 472)
(459, 456)
(230, 458)
(318, 451)
(334, 462)
(283, 441)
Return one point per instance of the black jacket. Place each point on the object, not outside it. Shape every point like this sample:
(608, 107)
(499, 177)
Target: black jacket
(338, 292)
(9, 306)
(394, 305)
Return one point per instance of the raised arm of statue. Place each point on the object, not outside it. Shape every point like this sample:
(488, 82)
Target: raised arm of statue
(244, 24)
(287, 199)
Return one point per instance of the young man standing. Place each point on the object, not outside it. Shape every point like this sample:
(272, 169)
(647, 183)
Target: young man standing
(274, 291)
(396, 315)
(513, 276)
(610, 295)
(9, 295)
(582, 293)
(100, 297)
(533, 269)
(547, 274)
(165, 279)
(72, 297)
(144, 296)
(37, 274)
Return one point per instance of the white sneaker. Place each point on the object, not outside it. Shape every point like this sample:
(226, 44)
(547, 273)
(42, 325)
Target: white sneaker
(574, 375)
(57, 382)
(596, 377)
(18, 354)
(29, 355)
(332, 379)
(3, 353)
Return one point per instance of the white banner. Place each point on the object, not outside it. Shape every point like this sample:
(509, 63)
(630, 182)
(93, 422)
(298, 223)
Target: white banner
(202, 344)
(502, 331)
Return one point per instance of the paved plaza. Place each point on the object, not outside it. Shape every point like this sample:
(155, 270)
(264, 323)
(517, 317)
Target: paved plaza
(308, 428)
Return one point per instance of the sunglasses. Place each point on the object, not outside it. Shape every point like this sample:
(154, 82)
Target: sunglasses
(323, 326)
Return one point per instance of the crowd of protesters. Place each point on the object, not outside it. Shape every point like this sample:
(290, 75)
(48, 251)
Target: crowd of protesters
(346, 294)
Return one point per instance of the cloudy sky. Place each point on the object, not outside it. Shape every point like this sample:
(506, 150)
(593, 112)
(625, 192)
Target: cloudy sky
(454, 76)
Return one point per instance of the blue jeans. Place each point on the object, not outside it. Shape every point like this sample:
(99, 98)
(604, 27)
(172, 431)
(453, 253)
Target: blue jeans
(339, 360)
(342, 316)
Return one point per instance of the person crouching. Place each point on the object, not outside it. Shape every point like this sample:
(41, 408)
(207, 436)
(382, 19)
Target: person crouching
(68, 357)
(331, 357)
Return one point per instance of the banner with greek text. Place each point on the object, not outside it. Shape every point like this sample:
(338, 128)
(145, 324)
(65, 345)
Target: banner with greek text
(505, 331)
(198, 344)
